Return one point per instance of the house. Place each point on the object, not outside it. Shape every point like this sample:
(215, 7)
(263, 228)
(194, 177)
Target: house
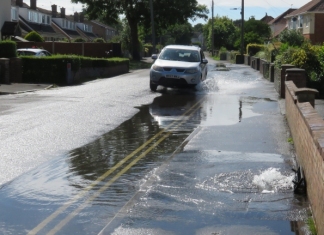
(51, 24)
(278, 24)
(5, 15)
(309, 20)
(102, 30)
(266, 19)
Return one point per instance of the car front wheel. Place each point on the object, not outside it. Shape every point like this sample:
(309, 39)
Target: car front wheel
(153, 86)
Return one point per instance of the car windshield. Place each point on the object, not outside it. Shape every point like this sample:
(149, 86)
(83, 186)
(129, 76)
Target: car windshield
(180, 55)
(26, 53)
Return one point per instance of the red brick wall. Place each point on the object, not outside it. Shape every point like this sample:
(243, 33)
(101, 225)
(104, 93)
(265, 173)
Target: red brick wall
(307, 129)
(318, 36)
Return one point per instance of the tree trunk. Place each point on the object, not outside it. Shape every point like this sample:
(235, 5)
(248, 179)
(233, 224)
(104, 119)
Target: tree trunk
(134, 39)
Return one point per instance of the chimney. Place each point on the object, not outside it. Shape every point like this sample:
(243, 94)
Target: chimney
(76, 17)
(54, 10)
(81, 17)
(33, 4)
(62, 12)
(19, 3)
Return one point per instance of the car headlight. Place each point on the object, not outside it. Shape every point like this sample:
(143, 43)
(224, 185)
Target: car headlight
(192, 70)
(157, 68)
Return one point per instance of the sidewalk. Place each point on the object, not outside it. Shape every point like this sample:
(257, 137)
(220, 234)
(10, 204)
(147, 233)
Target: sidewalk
(15, 88)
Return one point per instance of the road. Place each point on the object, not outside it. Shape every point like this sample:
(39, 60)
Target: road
(111, 157)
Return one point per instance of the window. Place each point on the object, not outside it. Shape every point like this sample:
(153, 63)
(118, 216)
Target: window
(14, 13)
(301, 21)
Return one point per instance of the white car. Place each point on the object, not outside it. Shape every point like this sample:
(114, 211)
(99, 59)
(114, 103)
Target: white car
(33, 52)
(178, 67)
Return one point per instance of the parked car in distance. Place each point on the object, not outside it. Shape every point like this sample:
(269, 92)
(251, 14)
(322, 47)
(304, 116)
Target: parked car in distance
(33, 52)
(178, 66)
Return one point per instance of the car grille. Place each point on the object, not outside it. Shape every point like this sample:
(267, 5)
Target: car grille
(171, 81)
(179, 70)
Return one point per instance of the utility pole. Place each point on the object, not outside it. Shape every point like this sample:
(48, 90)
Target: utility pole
(212, 42)
(152, 26)
(242, 29)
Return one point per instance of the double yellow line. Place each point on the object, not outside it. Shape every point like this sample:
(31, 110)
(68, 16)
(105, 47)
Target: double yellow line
(165, 134)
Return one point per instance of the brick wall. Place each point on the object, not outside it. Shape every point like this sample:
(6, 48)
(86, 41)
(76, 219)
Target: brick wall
(307, 129)
(317, 37)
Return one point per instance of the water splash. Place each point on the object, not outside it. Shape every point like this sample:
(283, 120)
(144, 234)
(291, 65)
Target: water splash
(272, 180)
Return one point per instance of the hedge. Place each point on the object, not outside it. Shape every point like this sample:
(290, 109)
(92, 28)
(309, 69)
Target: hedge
(53, 69)
(8, 49)
(252, 49)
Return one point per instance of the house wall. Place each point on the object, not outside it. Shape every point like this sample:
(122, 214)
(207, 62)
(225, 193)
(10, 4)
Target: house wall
(318, 36)
(5, 13)
(99, 30)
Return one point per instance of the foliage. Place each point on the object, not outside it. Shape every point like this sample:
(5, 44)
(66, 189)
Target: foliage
(53, 69)
(181, 33)
(305, 57)
(137, 12)
(291, 37)
(224, 33)
(198, 28)
(8, 49)
(311, 226)
(254, 48)
(100, 40)
(33, 36)
(196, 44)
(255, 31)
(79, 40)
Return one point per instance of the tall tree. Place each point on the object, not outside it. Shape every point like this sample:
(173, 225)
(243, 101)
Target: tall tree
(166, 12)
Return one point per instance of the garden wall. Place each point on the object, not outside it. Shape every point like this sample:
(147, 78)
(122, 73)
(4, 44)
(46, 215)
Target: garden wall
(307, 129)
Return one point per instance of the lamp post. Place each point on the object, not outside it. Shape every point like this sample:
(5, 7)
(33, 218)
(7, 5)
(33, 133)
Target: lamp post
(212, 8)
(152, 23)
(242, 27)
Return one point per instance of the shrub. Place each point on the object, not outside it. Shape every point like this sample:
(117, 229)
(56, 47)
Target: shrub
(78, 40)
(53, 69)
(253, 49)
(304, 57)
(33, 36)
(100, 40)
(8, 49)
(292, 37)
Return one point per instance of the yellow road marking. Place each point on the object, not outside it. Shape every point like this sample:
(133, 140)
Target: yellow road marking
(106, 174)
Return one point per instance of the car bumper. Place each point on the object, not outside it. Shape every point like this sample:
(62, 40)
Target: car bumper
(180, 80)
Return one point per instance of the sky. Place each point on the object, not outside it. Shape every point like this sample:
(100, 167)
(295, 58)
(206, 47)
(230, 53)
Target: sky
(256, 8)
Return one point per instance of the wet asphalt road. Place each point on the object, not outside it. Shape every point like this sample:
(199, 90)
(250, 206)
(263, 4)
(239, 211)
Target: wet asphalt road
(212, 161)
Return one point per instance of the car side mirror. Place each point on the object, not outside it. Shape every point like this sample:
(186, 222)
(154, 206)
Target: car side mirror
(204, 61)
(154, 56)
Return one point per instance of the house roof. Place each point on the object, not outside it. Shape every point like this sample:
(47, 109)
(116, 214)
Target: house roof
(266, 18)
(312, 6)
(102, 25)
(282, 16)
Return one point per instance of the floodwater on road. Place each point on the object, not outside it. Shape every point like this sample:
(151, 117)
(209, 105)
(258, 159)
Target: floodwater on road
(212, 161)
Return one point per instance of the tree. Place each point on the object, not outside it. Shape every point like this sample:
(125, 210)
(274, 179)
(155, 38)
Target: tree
(167, 12)
(181, 33)
(198, 28)
(224, 33)
(255, 31)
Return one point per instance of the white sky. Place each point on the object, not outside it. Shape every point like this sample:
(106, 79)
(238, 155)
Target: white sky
(256, 8)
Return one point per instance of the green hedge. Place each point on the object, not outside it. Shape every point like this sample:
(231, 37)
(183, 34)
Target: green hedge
(53, 69)
(253, 49)
(8, 49)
